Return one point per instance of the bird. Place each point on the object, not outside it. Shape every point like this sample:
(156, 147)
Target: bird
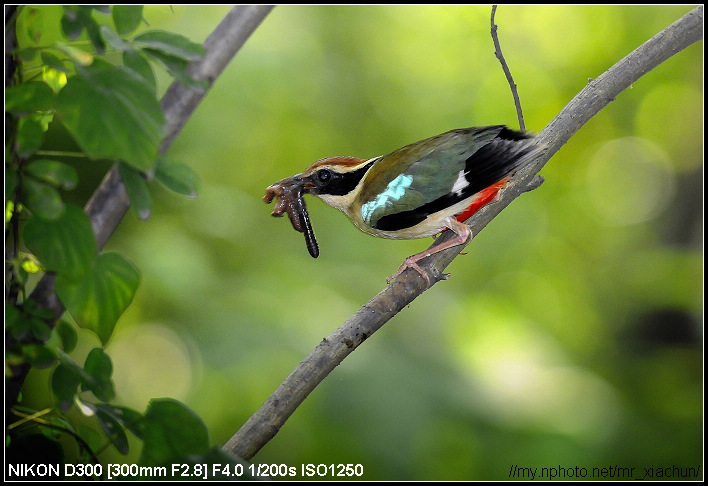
(416, 191)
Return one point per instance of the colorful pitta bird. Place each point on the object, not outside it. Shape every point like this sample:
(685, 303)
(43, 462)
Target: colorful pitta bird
(416, 191)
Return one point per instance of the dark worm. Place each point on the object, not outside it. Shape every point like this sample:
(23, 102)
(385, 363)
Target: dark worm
(290, 200)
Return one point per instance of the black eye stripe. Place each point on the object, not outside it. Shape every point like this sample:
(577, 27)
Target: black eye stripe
(336, 184)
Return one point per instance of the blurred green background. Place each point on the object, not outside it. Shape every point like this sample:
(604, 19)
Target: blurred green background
(569, 335)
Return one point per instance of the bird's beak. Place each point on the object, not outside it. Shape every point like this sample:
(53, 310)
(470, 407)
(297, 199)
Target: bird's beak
(289, 192)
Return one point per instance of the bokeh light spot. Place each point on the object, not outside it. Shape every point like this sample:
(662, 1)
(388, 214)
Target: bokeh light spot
(151, 361)
(629, 180)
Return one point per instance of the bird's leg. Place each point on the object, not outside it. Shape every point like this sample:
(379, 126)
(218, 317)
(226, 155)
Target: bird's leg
(463, 233)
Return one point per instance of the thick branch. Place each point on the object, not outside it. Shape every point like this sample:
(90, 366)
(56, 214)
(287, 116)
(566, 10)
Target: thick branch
(268, 419)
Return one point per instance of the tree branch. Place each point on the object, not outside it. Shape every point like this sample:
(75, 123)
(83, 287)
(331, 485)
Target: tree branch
(271, 416)
(109, 203)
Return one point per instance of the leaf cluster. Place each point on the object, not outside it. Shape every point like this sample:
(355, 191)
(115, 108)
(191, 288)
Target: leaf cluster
(112, 112)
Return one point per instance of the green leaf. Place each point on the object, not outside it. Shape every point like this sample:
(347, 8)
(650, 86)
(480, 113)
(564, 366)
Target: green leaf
(12, 315)
(26, 54)
(54, 62)
(137, 62)
(98, 299)
(65, 382)
(30, 136)
(113, 430)
(138, 192)
(9, 208)
(65, 245)
(38, 355)
(113, 39)
(51, 432)
(35, 24)
(20, 273)
(28, 265)
(17, 322)
(53, 172)
(127, 18)
(29, 98)
(77, 18)
(129, 418)
(171, 44)
(42, 199)
(30, 307)
(56, 80)
(95, 440)
(177, 67)
(172, 431)
(71, 25)
(99, 369)
(177, 177)
(98, 365)
(67, 335)
(94, 35)
(40, 329)
(113, 113)
(114, 419)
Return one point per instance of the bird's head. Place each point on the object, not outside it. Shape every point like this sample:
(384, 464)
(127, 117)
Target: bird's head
(333, 179)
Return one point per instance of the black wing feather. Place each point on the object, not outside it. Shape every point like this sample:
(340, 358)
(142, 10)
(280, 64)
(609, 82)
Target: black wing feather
(491, 163)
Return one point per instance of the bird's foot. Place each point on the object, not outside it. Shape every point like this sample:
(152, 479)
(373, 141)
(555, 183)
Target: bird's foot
(411, 262)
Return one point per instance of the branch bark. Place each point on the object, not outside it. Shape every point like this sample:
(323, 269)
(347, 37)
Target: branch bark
(109, 203)
(270, 417)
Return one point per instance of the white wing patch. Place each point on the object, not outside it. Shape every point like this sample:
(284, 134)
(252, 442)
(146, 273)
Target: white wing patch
(460, 183)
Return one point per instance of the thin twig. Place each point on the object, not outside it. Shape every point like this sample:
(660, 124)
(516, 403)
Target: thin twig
(270, 417)
(509, 78)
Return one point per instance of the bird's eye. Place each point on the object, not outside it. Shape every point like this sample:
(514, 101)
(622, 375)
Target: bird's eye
(324, 175)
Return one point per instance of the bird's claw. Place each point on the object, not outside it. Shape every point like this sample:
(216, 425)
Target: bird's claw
(411, 263)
